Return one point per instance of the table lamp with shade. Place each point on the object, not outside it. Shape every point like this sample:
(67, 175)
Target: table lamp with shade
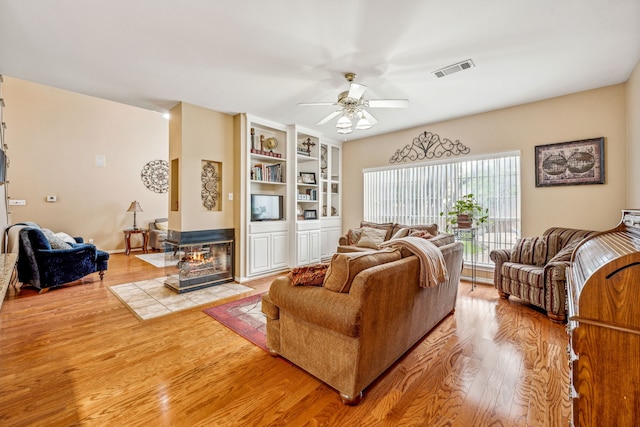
(135, 207)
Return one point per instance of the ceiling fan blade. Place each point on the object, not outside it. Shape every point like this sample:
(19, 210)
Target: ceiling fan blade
(356, 90)
(369, 117)
(306, 104)
(388, 103)
(329, 117)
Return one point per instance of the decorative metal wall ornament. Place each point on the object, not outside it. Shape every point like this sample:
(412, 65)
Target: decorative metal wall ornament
(155, 176)
(210, 177)
(428, 145)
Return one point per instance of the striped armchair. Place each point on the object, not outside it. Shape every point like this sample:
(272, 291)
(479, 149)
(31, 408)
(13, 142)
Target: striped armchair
(534, 270)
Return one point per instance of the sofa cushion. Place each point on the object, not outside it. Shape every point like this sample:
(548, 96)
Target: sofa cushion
(430, 228)
(531, 275)
(54, 241)
(400, 233)
(345, 266)
(535, 250)
(353, 235)
(564, 254)
(442, 239)
(162, 225)
(388, 226)
(310, 275)
(65, 237)
(420, 233)
(371, 237)
(439, 240)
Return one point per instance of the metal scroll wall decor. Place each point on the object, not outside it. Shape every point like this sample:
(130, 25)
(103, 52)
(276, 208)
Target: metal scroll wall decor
(429, 145)
(155, 176)
(210, 177)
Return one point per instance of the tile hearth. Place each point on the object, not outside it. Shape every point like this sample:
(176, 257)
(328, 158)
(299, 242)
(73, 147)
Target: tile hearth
(151, 298)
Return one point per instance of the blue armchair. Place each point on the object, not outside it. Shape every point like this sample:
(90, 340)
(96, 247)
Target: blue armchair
(43, 267)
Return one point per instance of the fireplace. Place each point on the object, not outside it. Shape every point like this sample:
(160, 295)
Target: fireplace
(198, 259)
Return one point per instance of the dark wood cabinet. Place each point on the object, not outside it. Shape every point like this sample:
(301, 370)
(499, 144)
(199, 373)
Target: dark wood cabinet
(603, 300)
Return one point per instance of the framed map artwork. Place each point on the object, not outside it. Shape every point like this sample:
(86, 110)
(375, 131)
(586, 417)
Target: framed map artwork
(570, 163)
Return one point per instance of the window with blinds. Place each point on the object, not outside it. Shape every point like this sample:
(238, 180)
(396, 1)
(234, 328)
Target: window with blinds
(418, 193)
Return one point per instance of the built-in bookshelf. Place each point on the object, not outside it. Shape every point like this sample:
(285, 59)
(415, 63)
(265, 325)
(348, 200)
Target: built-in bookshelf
(330, 170)
(331, 186)
(265, 196)
(284, 194)
(307, 175)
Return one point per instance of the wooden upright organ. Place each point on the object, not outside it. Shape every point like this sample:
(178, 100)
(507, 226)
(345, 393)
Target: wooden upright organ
(603, 302)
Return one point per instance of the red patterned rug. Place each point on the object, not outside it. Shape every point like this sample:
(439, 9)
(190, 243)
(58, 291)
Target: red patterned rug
(244, 317)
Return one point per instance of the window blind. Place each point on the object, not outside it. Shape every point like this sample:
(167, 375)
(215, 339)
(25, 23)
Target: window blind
(416, 194)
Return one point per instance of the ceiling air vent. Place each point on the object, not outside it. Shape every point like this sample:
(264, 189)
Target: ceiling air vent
(450, 69)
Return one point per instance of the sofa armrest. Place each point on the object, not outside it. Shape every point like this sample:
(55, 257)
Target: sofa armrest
(343, 241)
(77, 253)
(555, 277)
(332, 310)
(557, 270)
(499, 256)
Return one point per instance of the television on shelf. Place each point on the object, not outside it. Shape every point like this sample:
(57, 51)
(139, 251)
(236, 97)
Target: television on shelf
(266, 207)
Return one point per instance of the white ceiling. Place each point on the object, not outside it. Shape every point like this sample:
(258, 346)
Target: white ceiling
(264, 57)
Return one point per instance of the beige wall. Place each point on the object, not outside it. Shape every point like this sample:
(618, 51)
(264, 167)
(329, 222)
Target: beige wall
(590, 114)
(198, 134)
(53, 138)
(633, 139)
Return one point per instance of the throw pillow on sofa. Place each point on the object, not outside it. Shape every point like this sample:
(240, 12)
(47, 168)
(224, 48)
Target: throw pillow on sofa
(387, 226)
(420, 233)
(345, 266)
(353, 235)
(371, 238)
(310, 275)
(54, 241)
(64, 236)
(535, 250)
(403, 232)
(564, 255)
(431, 228)
(162, 225)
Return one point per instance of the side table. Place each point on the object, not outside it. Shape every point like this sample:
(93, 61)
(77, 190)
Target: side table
(469, 237)
(127, 239)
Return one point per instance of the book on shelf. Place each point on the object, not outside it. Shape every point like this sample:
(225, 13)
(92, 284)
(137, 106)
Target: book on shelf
(267, 172)
(311, 195)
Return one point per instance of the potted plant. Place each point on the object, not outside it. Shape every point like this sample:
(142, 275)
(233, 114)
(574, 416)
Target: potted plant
(464, 211)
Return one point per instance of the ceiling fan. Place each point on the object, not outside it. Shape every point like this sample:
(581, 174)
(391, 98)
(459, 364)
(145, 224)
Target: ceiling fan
(353, 107)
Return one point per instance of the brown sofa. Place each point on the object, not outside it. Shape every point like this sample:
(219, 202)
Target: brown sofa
(535, 269)
(347, 339)
(353, 242)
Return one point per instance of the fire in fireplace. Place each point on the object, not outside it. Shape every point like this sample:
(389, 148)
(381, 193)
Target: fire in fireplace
(197, 259)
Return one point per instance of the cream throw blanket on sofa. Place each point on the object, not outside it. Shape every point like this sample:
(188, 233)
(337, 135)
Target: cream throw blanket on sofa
(433, 270)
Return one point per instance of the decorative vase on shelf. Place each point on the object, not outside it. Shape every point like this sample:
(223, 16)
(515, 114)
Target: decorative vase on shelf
(253, 139)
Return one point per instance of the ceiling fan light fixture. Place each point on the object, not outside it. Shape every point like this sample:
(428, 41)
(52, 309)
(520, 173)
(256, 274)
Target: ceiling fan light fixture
(352, 107)
(343, 122)
(363, 124)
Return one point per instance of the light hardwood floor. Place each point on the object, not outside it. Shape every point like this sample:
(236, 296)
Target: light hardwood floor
(77, 356)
